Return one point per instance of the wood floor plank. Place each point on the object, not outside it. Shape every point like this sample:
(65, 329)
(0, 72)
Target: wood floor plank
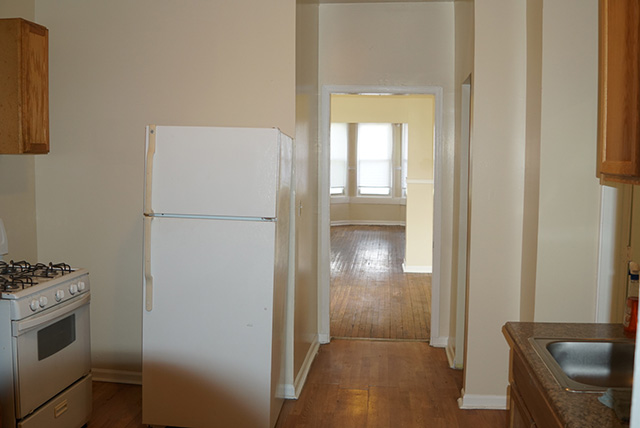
(406, 384)
(352, 383)
(371, 296)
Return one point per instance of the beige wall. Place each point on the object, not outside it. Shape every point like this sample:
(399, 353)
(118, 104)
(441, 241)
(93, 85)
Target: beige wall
(569, 192)
(114, 68)
(520, 133)
(464, 38)
(306, 295)
(496, 180)
(532, 160)
(399, 44)
(17, 174)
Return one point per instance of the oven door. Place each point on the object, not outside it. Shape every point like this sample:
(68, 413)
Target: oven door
(52, 350)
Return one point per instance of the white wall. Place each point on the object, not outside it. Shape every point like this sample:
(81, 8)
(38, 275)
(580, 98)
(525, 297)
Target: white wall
(398, 44)
(17, 174)
(115, 67)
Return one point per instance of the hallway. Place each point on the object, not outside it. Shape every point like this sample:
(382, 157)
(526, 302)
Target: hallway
(383, 384)
(371, 297)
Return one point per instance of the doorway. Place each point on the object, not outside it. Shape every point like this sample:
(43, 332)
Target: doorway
(325, 208)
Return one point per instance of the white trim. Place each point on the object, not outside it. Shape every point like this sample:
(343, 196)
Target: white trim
(451, 354)
(117, 376)
(416, 269)
(606, 253)
(439, 341)
(324, 246)
(371, 200)
(366, 223)
(481, 401)
(419, 181)
(293, 391)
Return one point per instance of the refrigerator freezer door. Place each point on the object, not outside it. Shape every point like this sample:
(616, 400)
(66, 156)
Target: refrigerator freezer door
(207, 342)
(212, 171)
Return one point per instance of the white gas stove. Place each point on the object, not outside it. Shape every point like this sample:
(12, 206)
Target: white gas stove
(33, 288)
(45, 350)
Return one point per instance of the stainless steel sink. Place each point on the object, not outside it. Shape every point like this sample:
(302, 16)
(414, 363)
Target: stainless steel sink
(588, 365)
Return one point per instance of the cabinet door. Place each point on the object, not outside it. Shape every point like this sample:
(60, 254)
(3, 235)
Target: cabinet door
(24, 87)
(619, 120)
(519, 416)
(35, 90)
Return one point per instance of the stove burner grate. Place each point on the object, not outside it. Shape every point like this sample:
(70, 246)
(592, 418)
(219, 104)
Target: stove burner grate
(15, 276)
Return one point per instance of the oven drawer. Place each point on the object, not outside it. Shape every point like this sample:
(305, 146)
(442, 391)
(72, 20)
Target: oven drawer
(52, 350)
(70, 409)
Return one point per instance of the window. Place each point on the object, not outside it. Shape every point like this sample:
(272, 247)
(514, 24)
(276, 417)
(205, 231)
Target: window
(339, 149)
(374, 158)
(405, 157)
(368, 160)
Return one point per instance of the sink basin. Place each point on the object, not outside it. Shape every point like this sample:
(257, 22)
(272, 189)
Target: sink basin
(588, 365)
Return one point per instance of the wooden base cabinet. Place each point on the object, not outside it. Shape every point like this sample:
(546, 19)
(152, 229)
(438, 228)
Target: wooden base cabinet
(528, 404)
(519, 416)
(24, 87)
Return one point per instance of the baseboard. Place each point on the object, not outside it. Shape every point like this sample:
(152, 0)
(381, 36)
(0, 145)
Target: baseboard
(117, 376)
(451, 355)
(366, 223)
(292, 392)
(439, 342)
(480, 401)
(454, 363)
(416, 269)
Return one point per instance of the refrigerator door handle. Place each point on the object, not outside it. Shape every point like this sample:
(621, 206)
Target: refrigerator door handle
(148, 278)
(151, 151)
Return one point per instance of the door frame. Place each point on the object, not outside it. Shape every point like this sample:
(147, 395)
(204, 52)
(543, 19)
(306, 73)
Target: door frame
(324, 220)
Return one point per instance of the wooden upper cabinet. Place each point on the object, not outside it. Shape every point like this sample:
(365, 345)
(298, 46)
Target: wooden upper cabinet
(619, 91)
(24, 87)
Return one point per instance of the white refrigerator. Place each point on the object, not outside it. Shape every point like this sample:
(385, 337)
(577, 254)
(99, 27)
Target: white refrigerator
(217, 228)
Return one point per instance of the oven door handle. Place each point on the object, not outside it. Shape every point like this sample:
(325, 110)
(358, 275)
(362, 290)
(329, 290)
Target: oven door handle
(35, 321)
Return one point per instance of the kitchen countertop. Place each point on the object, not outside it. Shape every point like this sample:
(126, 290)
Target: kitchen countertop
(575, 409)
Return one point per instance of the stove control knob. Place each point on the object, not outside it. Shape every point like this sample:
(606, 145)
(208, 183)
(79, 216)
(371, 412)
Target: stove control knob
(81, 286)
(43, 301)
(73, 289)
(59, 295)
(34, 305)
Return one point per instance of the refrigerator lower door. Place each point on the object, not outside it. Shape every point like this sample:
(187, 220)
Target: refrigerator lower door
(207, 336)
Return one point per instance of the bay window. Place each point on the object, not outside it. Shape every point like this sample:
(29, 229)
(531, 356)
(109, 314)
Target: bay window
(368, 160)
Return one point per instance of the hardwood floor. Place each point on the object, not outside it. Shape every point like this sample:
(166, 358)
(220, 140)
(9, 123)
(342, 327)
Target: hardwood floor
(351, 384)
(371, 297)
(383, 384)
(355, 383)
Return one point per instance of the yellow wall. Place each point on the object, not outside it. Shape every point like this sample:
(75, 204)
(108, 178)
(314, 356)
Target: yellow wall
(115, 67)
(418, 112)
(360, 213)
